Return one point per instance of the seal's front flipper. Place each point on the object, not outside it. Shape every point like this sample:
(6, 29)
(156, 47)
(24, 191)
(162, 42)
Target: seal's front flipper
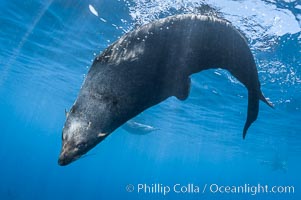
(183, 89)
(253, 108)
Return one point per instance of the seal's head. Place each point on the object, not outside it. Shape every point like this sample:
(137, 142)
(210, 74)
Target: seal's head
(80, 134)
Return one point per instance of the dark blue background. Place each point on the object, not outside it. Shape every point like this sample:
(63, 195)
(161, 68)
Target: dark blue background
(45, 51)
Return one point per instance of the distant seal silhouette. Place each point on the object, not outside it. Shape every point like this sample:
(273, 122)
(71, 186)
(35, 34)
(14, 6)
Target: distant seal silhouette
(150, 64)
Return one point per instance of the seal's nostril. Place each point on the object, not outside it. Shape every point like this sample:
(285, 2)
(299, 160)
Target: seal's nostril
(62, 160)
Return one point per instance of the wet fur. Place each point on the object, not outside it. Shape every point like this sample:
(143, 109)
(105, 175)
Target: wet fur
(150, 64)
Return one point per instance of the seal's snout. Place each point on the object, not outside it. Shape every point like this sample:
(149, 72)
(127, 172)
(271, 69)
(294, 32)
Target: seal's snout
(62, 161)
(67, 155)
(66, 159)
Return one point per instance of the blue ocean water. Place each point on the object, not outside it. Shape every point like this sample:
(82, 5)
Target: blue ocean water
(47, 48)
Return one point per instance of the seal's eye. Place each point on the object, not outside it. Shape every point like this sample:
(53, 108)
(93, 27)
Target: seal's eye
(81, 146)
(115, 102)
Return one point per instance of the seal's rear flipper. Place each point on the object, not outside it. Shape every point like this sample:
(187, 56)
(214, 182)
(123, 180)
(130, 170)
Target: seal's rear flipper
(253, 108)
(262, 98)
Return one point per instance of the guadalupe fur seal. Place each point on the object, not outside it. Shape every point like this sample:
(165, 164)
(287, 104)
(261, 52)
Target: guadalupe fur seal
(150, 64)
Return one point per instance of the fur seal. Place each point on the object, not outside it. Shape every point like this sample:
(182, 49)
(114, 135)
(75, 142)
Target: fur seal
(150, 64)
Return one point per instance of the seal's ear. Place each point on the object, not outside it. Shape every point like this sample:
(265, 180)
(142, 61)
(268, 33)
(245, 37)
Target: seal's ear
(102, 134)
(66, 113)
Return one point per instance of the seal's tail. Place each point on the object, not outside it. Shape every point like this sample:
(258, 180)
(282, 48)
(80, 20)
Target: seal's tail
(253, 108)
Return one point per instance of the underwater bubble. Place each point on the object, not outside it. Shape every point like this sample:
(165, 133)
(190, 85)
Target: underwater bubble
(92, 10)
